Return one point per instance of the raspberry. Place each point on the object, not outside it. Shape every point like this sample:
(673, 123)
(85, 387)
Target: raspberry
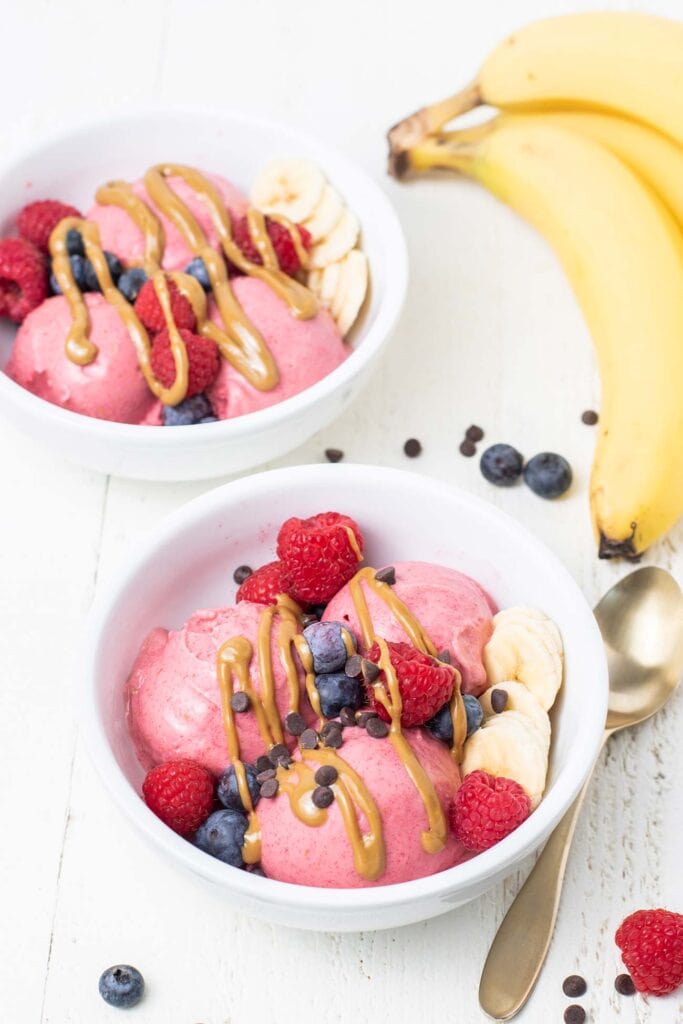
(181, 793)
(264, 585)
(651, 944)
(281, 240)
(486, 809)
(424, 683)
(318, 555)
(148, 308)
(37, 221)
(203, 358)
(23, 278)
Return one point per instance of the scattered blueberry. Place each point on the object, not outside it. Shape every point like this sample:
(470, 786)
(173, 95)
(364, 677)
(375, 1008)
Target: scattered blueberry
(130, 283)
(74, 243)
(501, 464)
(78, 269)
(326, 641)
(475, 712)
(197, 269)
(337, 691)
(192, 410)
(222, 836)
(228, 791)
(122, 986)
(441, 724)
(549, 475)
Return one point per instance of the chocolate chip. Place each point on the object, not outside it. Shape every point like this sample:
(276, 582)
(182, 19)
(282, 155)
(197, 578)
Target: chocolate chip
(309, 739)
(468, 448)
(334, 454)
(499, 699)
(322, 796)
(284, 761)
(354, 666)
(270, 788)
(294, 723)
(276, 752)
(589, 417)
(623, 983)
(412, 448)
(262, 777)
(240, 702)
(444, 656)
(326, 775)
(574, 1014)
(318, 610)
(242, 573)
(474, 433)
(363, 717)
(308, 619)
(263, 764)
(386, 575)
(347, 717)
(574, 986)
(377, 728)
(331, 734)
(370, 670)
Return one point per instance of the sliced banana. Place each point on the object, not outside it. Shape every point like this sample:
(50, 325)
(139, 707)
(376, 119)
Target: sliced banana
(509, 745)
(292, 188)
(523, 701)
(329, 284)
(526, 648)
(341, 239)
(325, 214)
(352, 291)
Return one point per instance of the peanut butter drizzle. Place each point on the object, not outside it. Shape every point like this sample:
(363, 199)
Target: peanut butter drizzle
(413, 629)
(459, 720)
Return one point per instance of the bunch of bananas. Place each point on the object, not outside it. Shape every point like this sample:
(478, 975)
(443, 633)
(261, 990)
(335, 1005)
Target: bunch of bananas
(588, 147)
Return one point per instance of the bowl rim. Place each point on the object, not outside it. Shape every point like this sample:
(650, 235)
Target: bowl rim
(489, 865)
(395, 271)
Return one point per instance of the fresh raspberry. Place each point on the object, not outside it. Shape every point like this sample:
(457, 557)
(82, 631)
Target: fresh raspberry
(264, 585)
(37, 221)
(203, 359)
(23, 278)
(148, 308)
(651, 944)
(181, 793)
(281, 239)
(424, 683)
(486, 809)
(318, 556)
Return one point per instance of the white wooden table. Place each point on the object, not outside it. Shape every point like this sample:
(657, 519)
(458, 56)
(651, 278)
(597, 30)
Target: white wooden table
(490, 335)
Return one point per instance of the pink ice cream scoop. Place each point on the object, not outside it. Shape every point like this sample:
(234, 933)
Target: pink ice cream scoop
(304, 351)
(172, 694)
(119, 233)
(453, 608)
(292, 851)
(111, 387)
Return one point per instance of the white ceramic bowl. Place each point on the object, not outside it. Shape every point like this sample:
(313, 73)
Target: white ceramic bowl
(74, 164)
(187, 563)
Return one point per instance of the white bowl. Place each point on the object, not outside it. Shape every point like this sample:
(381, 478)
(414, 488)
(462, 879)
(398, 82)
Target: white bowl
(187, 563)
(74, 164)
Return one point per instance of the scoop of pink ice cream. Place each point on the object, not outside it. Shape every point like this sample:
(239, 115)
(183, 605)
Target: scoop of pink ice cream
(453, 608)
(292, 851)
(304, 351)
(119, 233)
(111, 387)
(172, 694)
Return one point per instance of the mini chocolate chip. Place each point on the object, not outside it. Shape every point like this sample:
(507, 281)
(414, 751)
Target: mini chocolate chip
(270, 788)
(354, 666)
(284, 761)
(309, 739)
(574, 986)
(294, 723)
(242, 573)
(468, 448)
(377, 728)
(276, 752)
(263, 764)
(589, 417)
(333, 739)
(240, 702)
(347, 717)
(308, 619)
(363, 717)
(444, 656)
(386, 575)
(370, 670)
(326, 775)
(623, 983)
(574, 1014)
(334, 454)
(499, 699)
(412, 447)
(262, 777)
(322, 796)
(474, 433)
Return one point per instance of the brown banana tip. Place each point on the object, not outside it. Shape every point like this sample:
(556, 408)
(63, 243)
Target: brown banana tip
(399, 164)
(624, 548)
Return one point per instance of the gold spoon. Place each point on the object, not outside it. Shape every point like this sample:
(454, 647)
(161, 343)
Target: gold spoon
(641, 621)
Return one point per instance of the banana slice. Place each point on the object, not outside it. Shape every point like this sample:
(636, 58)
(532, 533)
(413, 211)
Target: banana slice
(352, 290)
(526, 648)
(341, 239)
(509, 745)
(325, 215)
(523, 701)
(523, 613)
(292, 188)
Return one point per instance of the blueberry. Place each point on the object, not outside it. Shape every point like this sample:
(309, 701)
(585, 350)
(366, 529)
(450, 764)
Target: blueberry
(192, 410)
(130, 283)
(90, 282)
(197, 269)
(228, 790)
(475, 713)
(548, 475)
(78, 269)
(222, 836)
(326, 641)
(115, 266)
(115, 269)
(337, 691)
(209, 419)
(441, 724)
(501, 464)
(74, 243)
(122, 986)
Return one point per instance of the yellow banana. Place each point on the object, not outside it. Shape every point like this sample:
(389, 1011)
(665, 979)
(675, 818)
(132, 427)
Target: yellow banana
(623, 254)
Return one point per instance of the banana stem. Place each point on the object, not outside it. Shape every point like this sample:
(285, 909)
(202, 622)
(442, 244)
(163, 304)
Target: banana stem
(447, 151)
(412, 130)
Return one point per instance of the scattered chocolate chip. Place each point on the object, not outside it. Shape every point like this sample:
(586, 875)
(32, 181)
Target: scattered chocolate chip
(242, 573)
(269, 788)
(262, 777)
(307, 619)
(334, 454)
(574, 986)
(240, 702)
(263, 764)
(499, 699)
(276, 752)
(386, 575)
(347, 717)
(444, 656)
(294, 723)
(370, 670)
(309, 739)
(322, 796)
(377, 728)
(474, 433)
(332, 737)
(468, 448)
(354, 666)
(326, 775)
(363, 717)
(574, 1014)
(589, 417)
(623, 983)
(412, 448)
